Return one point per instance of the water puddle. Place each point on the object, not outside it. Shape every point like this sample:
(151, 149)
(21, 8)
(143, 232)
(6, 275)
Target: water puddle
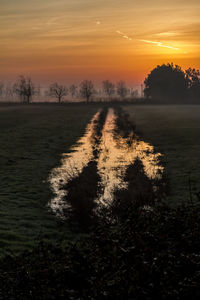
(72, 165)
(114, 154)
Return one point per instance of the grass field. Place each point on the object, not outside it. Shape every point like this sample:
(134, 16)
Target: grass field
(175, 132)
(32, 139)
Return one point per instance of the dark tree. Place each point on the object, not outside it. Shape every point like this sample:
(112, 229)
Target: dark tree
(87, 89)
(108, 88)
(25, 89)
(58, 91)
(73, 90)
(1, 89)
(122, 90)
(166, 81)
(193, 78)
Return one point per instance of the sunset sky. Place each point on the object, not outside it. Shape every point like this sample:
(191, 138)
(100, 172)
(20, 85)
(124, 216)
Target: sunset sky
(71, 40)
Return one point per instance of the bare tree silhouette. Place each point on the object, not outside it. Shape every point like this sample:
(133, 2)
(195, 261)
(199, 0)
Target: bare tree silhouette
(73, 90)
(122, 90)
(108, 88)
(87, 89)
(58, 91)
(24, 88)
(1, 89)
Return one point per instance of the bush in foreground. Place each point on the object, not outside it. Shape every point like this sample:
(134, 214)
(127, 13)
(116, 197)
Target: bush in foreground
(153, 254)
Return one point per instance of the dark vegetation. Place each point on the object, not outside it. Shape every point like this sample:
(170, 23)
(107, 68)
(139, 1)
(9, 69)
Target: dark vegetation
(58, 91)
(87, 89)
(147, 255)
(108, 88)
(139, 248)
(25, 89)
(170, 83)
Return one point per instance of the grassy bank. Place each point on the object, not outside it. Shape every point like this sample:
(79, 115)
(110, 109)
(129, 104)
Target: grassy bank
(175, 132)
(32, 139)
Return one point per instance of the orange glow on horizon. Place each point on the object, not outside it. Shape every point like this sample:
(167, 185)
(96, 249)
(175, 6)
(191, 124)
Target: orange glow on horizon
(54, 40)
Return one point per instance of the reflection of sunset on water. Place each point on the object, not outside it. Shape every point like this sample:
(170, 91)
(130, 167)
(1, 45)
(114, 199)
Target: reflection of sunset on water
(115, 154)
(71, 166)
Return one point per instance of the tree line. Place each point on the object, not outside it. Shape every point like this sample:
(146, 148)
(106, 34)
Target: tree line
(26, 89)
(167, 82)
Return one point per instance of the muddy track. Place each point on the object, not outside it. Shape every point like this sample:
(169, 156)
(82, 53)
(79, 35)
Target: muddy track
(108, 165)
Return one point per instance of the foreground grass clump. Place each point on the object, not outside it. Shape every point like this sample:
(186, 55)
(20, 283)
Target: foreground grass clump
(153, 254)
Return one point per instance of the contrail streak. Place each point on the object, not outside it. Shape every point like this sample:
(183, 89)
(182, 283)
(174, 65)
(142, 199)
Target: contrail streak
(159, 44)
(119, 32)
(123, 35)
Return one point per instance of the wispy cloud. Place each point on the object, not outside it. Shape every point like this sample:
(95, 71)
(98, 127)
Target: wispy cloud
(166, 34)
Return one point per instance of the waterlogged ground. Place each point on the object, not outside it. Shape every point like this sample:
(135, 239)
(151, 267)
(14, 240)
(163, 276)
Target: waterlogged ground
(109, 154)
(33, 138)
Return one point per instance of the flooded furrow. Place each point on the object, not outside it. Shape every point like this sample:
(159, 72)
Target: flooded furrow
(98, 166)
(72, 165)
(117, 154)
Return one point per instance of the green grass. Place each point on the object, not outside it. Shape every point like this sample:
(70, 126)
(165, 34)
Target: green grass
(32, 139)
(175, 132)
